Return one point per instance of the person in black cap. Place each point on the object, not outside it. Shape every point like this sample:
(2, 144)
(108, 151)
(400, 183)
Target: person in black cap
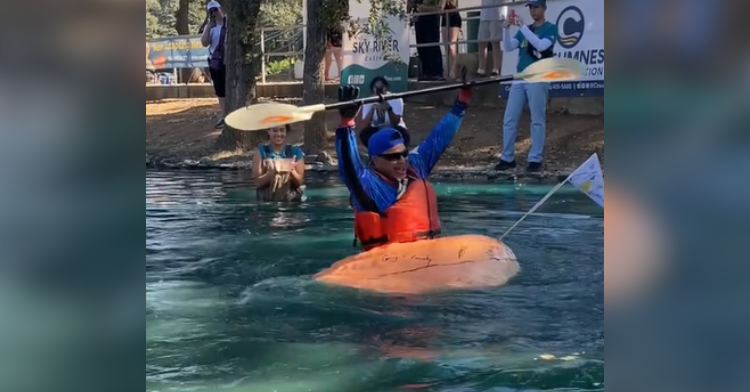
(533, 42)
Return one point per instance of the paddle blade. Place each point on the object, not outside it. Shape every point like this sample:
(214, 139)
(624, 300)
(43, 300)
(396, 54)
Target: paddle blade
(552, 70)
(266, 115)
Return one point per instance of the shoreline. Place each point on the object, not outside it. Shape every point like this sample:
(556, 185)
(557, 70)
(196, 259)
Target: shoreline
(321, 170)
(179, 136)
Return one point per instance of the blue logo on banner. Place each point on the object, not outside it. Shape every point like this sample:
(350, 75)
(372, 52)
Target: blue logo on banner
(571, 25)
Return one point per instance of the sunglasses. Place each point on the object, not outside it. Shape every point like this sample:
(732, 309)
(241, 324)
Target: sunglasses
(534, 7)
(393, 157)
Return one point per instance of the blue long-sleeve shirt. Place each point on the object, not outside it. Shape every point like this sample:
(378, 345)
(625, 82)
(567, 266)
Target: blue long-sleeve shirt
(371, 192)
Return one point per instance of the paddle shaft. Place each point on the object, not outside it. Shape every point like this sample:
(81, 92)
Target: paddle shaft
(430, 90)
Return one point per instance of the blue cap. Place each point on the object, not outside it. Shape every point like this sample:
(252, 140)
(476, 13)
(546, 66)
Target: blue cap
(383, 140)
(538, 3)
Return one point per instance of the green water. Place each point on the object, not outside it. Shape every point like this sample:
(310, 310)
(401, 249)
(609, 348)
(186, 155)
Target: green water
(230, 305)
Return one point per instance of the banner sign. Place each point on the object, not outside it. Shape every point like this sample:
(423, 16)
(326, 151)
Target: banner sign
(176, 52)
(366, 57)
(580, 25)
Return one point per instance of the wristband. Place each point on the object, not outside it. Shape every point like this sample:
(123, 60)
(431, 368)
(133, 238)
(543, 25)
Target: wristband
(464, 96)
(459, 108)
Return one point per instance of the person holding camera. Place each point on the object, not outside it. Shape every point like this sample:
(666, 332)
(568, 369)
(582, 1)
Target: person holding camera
(388, 113)
(534, 42)
(214, 38)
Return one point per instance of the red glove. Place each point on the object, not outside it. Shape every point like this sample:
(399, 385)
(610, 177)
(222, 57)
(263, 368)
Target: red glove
(464, 95)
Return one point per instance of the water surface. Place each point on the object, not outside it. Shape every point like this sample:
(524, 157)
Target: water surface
(230, 305)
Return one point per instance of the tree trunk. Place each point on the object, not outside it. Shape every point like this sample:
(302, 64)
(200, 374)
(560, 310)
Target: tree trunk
(243, 66)
(182, 25)
(313, 82)
(182, 17)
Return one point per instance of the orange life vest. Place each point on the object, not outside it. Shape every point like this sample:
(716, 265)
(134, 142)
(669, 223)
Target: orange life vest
(413, 217)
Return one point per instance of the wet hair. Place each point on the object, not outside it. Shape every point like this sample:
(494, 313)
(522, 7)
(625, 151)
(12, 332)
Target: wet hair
(367, 133)
(381, 80)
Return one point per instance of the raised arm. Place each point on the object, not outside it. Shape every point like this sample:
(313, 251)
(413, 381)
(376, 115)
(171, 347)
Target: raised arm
(369, 191)
(509, 43)
(351, 167)
(363, 185)
(395, 111)
(367, 116)
(426, 155)
(206, 35)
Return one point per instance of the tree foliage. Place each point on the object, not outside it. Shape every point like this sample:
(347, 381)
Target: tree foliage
(281, 13)
(327, 14)
(161, 15)
(243, 59)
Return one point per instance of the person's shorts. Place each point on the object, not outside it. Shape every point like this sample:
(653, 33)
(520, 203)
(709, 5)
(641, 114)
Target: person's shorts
(335, 38)
(490, 31)
(219, 80)
(452, 20)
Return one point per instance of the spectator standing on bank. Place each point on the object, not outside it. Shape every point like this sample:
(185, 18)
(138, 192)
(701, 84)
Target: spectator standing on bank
(427, 31)
(389, 113)
(334, 45)
(452, 24)
(490, 33)
(335, 42)
(214, 38)
(533, 42)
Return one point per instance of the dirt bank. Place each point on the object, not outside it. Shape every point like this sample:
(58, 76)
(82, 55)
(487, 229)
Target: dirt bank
(179, 130)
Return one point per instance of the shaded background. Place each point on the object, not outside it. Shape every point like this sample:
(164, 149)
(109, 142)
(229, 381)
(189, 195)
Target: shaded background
(69, 304)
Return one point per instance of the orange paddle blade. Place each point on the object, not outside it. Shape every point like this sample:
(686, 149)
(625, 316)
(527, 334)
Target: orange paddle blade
(269, 115)
(552, 70)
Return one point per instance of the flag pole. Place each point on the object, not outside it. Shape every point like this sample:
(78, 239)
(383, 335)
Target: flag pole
(536, 207)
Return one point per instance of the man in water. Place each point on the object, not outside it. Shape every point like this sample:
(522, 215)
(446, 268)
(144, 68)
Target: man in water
(392, 199)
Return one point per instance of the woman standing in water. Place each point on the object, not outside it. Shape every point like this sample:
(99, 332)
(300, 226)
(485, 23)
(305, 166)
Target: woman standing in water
(279, 169)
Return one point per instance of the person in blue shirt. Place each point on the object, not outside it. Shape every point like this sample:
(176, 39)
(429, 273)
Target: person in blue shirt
(391, 196)
(534, 42)
(279, 169)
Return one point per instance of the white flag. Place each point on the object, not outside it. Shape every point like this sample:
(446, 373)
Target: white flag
(590, 179)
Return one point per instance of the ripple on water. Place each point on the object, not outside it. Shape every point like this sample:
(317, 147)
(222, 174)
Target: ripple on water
(230, 304)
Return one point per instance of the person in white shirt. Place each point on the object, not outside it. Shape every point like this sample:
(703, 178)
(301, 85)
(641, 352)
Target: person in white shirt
(490, 32)
(386, 114)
